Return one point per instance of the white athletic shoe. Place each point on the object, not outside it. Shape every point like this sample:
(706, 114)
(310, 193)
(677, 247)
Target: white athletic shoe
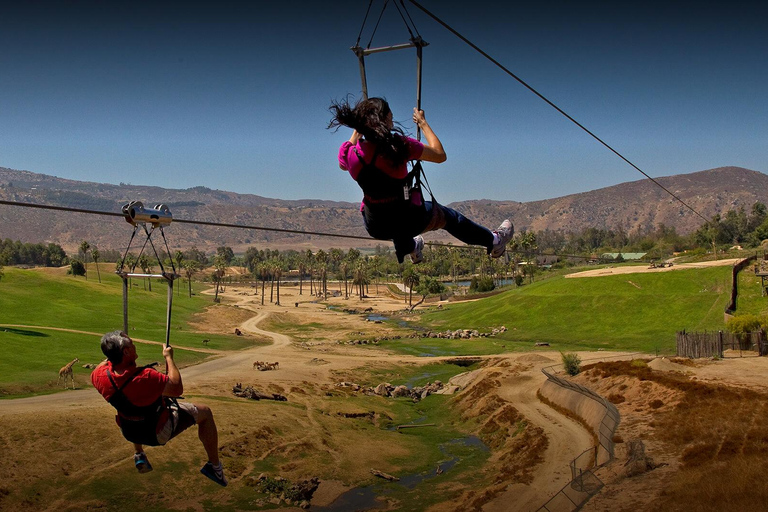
(504, 233)
(417, 256)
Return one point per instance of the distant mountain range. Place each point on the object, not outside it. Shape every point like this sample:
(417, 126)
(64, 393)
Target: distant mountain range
(629, 205)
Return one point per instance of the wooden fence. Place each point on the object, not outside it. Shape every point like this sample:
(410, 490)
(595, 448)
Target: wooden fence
(713, 344)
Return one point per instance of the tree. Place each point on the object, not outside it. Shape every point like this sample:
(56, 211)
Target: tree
(146, 267)
(220, 265)
(226, 254)
(263, 271)
(277, 272)
(76, 268)
(84, 246)
(95, 254)
(410, 281)
(1, 272)
(179, 260)
(191, 267)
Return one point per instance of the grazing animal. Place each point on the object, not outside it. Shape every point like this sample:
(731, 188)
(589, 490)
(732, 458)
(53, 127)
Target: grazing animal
(66, 371)
(263, 366)
(205, 342)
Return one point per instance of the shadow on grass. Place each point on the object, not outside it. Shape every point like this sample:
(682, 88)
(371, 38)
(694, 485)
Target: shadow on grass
(22, 332)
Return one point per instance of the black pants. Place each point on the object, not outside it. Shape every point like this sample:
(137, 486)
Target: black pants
(402, 221)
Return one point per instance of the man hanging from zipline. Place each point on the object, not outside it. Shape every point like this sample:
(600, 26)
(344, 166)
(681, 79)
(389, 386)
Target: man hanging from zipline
(147, 411)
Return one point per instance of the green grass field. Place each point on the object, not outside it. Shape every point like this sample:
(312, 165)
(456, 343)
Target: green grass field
(621, 312)
(48, 298)
(750, 299)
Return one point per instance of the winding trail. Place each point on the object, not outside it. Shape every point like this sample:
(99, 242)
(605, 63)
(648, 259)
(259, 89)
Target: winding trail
(567, 438)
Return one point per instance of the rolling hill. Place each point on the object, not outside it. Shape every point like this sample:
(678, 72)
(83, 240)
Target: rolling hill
(630, 205)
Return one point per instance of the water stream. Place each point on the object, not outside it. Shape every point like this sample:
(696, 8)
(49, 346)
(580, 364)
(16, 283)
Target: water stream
(365, 498)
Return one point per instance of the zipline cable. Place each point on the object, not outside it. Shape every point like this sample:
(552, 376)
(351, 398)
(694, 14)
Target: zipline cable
(182, 221)
(227, 225)
(537, 93)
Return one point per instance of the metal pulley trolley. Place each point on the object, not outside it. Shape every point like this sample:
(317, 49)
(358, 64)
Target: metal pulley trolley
(138, 215)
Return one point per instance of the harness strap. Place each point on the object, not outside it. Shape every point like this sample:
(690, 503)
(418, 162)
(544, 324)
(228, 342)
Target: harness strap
(400, 186)
(119, 398)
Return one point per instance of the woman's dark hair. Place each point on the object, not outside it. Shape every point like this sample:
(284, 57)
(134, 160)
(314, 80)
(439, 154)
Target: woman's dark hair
(112, 345)
(369, 118)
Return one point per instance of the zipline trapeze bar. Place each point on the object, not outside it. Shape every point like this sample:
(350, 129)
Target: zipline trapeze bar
(137, 215)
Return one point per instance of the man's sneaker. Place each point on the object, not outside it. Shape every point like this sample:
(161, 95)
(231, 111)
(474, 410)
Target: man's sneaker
(142, 463)
(504, 233)
(216, 475)
(417, 256)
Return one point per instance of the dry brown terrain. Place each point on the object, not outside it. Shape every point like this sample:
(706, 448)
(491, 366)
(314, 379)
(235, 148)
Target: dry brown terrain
(60, 450)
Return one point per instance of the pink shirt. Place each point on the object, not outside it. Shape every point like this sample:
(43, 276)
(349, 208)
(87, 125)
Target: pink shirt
(349, 161)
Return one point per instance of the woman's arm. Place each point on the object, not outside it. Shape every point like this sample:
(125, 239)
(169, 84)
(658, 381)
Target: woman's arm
(352, 140)
(433, 149)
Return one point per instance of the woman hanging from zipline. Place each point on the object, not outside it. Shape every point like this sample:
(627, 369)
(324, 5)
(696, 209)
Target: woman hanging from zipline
(376, 156)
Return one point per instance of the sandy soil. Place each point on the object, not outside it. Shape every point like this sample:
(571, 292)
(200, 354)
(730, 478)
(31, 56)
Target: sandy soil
(305, 368)
(643, 269)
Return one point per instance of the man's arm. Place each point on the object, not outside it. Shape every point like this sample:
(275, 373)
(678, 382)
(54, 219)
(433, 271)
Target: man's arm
(174, 386)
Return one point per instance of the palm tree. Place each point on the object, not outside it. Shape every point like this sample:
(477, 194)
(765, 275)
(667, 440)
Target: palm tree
(95, 255)
(309, 261)
(410, 280)
(84, 246)
(190, 269)
(220, 265)
(344, 268)
(263, 269)
(277, 272)
(179, 257)
(361, 278)
(146, 267)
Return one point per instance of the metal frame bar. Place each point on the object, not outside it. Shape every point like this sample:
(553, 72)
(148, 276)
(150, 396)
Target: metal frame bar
(416, 42)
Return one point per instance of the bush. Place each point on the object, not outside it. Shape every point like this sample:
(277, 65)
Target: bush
(76, 268)
(482, 284)
(746, 323)
(430, 286)
(571, 363)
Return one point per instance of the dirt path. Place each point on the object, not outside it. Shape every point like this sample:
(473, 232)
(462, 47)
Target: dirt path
(644, 269)
(299, 366)
(567, 439)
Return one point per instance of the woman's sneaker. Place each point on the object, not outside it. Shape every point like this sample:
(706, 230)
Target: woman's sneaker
(417, 256)
(214, 473)
(504, 234)
(142, 463)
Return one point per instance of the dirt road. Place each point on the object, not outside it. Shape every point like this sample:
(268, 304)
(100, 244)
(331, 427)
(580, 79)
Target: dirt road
(645, 269)
(299, 366)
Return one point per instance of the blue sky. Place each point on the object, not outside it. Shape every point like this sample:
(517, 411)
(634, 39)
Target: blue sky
(234, 95)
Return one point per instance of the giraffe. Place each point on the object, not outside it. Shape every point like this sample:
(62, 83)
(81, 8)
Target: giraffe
(66, 371)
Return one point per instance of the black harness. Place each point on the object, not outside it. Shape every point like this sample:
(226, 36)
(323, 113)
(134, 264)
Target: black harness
(138, 423)
(379, 187)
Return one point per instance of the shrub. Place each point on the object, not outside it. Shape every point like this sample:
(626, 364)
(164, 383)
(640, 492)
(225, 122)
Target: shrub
(482, 284)
(76, 268)
(571, 363)
(744, 323)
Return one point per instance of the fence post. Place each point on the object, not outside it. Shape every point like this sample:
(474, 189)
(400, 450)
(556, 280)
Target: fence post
(720, 343)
